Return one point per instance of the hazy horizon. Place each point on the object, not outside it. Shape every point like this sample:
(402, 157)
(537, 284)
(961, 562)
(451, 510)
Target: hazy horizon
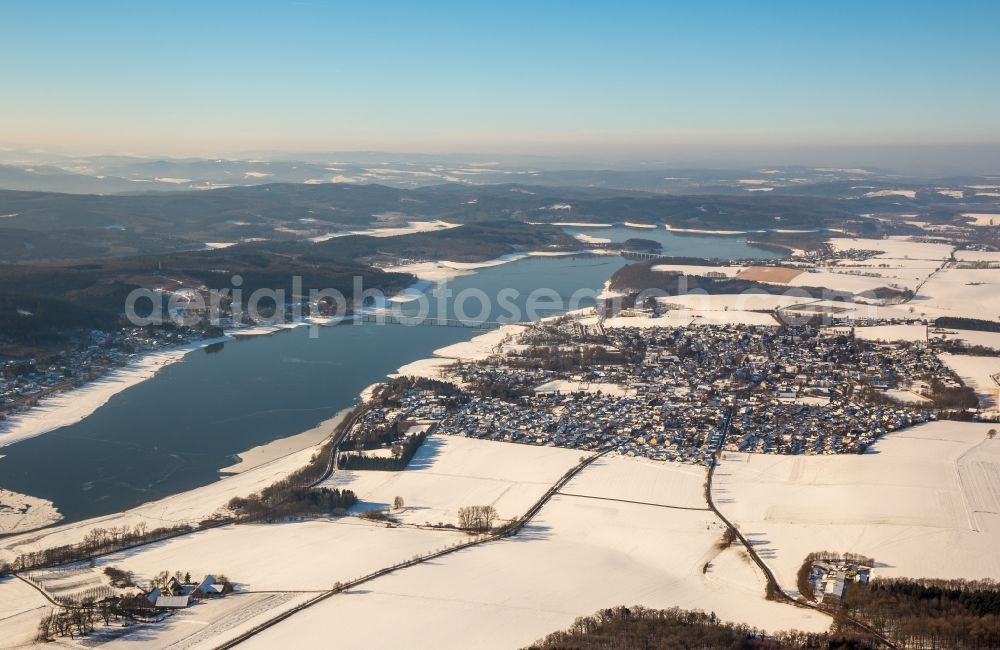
(917, 160)
(793, 84)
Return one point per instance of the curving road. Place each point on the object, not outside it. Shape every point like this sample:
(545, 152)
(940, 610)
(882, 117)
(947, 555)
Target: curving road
(772, 581)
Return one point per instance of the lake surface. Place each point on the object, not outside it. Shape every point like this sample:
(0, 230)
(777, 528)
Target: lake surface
(677, 244)
(175, 431)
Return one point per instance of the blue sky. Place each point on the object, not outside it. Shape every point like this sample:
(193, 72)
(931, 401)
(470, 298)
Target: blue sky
(203, 77)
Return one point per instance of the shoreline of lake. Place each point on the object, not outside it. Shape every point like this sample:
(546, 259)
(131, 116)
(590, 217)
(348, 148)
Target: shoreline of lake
(251, 401)
(72, 405)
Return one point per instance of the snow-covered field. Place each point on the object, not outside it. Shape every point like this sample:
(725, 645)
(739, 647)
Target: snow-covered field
(733, 317)
(642, 480)
(925, 502)
(679, 318)
(983, 218)
(892, 333)
(909, 194)
(203, 626)
(960, 292)
(70, 582)
(907, 272)
(21, 607)
(843, 309)
(479, 347)
(569, 386)
(737, 302)
(942, 289)
(683, 317)
(390, 231)
(728, 271)
(971, 337)
(981, 374)
(840, 281)
(906, 396)
(895, 247)
(298, 556)
(579, 554)
(977, 256)
(449, 472)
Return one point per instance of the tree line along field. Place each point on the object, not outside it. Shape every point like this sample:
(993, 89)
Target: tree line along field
(956, 614)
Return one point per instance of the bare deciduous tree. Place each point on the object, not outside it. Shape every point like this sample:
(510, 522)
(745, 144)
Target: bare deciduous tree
(477, 518)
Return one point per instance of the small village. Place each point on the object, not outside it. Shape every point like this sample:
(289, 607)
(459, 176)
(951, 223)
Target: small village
(27, 375)
(679, 394)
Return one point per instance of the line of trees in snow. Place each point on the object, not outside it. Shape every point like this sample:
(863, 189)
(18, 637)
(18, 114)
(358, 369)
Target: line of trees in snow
(402, 453)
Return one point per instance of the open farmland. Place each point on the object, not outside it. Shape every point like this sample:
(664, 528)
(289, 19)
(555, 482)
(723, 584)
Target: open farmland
(913, 333)
(970, 337)
(986, 219)
(982, 374)
(895, 248)
(923, 502)
(579, 554)
(960, 292)
(21, 607)
(774, 274)
(71, 584)
(978, 256)
(449, 472)
(298, 556)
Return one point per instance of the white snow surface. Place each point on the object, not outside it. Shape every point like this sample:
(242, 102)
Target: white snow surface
(904, 193)
(449, 472)
(895, 247)
(925, 502)
(960, 292)
(297, 556)
(578, 555)
(983, 218)
(981, 374)
(916, 333)
(21, 608)
(971, 337)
